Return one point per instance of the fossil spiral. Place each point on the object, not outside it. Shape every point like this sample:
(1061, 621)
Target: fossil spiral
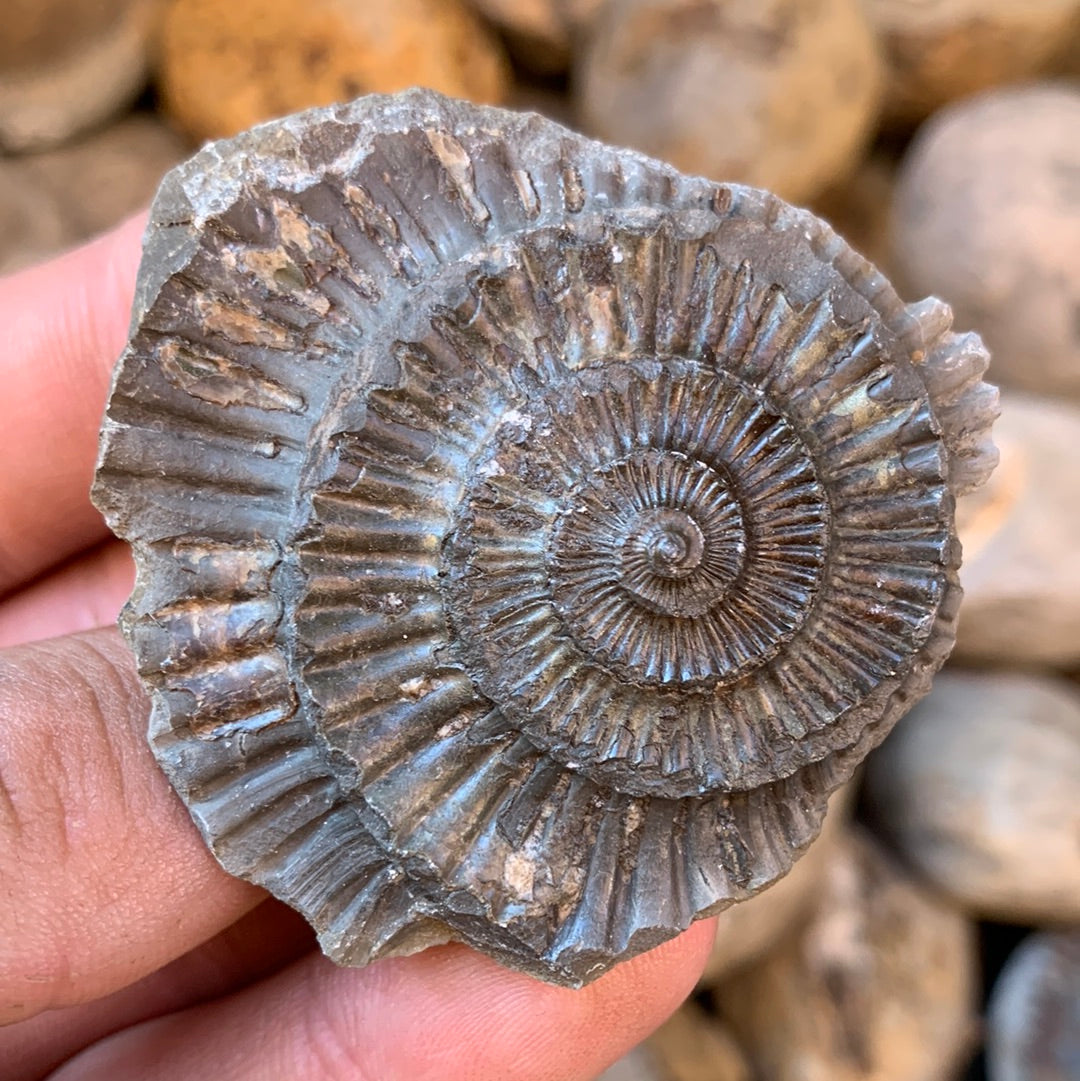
(529, 537)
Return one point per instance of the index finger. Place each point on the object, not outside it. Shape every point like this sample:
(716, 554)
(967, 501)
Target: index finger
(62, 326)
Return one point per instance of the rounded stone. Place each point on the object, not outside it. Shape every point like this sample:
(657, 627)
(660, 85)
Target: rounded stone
(987, 216)
(1021, 576)
(879, 983)
(68, 65)
(1033, 1020)
(227, 67)
(542, 33)
(943, 50)
(740, 90)
(977, 787)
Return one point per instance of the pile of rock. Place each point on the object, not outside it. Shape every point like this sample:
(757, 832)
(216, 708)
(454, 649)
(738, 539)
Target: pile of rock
(943, 140)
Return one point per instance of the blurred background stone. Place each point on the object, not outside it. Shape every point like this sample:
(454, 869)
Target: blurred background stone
(978, 788)
(692, 1045)
(940, 50)
(880, 985)
(987, 217)
(60, 197)
(102, 179)
(1021, 575)
(636, 1065)
(32, 225)
(859, 208)
(766, 92)
(984, 209)
(542, 33)
(227, 66)
(1033, 1026)
(67, 65)
(536, 98)
(747, 931)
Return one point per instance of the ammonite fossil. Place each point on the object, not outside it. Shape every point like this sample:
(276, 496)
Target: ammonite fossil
(529, 537)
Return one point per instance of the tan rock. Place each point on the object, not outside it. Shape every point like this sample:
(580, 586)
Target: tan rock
(1020, 574)
(57, 198)
(635, 1065)
(102, 179)
(945, 49)
(879, 986)
(1033, 1024)
(225, 67)
(978, 790)
(692, 1045)
(987, 216)
(768, 93)
(859, 208)
(31, 223)
(67, 65)
(748, 930)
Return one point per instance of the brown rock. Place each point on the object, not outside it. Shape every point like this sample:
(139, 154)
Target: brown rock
(859, 208)
(100, 180)
(746, 931)
(1020, 573)
(531, 98)
(57, 198)
(694, 1046)
(225, 67)
(1033, 1026)
(767, 93)
(987, 216)
(977, 788)
(31, 223)
(943, 50)
(66, 65)
(542, 31)
(879, 986)
(635, 1065)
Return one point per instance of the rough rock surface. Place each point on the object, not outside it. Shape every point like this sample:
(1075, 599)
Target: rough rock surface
(512, 516)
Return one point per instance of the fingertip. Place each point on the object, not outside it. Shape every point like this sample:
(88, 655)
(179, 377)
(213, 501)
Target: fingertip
(62, 326)
(446, 1014)
(465, 1015)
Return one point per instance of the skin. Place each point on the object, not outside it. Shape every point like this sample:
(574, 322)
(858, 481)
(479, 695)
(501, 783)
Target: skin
(125, 951)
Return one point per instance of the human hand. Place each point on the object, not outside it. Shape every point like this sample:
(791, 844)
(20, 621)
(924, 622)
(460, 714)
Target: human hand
(125, 950)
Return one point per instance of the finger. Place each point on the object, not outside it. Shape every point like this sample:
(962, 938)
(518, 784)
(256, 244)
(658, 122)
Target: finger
(86, 592)
(262, 942)
(105, 878)
(443, 1015)
(62, 326)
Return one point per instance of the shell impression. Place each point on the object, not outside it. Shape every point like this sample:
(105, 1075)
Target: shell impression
(529, 537)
